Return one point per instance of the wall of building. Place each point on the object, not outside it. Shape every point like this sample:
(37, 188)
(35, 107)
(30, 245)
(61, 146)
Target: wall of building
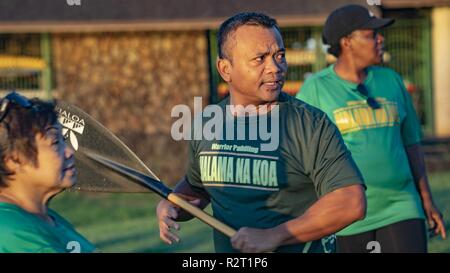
(130, 82)
(441, 70)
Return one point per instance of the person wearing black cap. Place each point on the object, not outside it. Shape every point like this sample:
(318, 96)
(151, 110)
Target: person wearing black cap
(376, 118)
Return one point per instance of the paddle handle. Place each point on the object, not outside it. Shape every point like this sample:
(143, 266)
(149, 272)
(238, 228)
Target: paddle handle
(200, 214)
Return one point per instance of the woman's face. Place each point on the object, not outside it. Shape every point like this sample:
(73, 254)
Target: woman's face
(55, 169)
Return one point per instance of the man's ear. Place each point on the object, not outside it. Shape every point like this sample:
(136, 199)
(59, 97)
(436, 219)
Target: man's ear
(224, 67)
(345, 43)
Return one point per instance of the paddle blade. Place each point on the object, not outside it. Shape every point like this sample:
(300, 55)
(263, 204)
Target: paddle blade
(134, 175)
(81, 131)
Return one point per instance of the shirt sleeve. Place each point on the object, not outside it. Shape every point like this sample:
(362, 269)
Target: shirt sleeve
(27, 240)
(333, 165)
(193, 170)
(308, 93)
(410, 127)
(193, 173)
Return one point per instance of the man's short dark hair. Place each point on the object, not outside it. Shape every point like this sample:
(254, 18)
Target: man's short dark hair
(18, 130)
(244, 18)
(335, 50)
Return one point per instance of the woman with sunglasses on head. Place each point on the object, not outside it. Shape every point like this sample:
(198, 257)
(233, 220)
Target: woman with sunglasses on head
(35, 166)
(376, 118)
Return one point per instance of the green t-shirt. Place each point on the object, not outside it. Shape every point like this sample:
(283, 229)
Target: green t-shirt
(23, 232)
(261, 188)
(376, 139)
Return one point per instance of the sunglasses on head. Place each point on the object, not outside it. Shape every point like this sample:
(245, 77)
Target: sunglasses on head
(15, 98)
(361, 88)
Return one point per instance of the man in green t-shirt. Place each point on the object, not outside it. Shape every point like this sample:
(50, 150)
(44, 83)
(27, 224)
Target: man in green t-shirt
(374, 113)
(287, 193)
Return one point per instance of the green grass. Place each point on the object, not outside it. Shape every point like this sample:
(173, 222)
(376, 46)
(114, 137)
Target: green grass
(440, 186)
(127, 222)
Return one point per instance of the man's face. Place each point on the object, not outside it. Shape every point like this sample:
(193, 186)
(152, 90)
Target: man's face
(367, 45)
(257, 64)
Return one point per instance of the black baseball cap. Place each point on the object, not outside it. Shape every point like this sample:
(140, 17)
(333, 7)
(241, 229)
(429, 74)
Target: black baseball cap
(349, 18)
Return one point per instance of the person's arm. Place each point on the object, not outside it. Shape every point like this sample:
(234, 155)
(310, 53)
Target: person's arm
(185, 190)
(411, 136)
(417, 165)
(168, 213)
(331, 213)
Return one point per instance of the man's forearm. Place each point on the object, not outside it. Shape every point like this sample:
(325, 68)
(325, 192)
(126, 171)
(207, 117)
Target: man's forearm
(184, 189)
(329, 214)
(417, 165)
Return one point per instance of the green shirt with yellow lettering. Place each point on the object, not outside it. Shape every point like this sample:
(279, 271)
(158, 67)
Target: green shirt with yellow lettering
(376, 139)
(24, 232)
(269, 169)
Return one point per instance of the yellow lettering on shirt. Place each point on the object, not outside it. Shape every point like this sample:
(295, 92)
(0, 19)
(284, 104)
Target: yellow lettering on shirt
(360, 116)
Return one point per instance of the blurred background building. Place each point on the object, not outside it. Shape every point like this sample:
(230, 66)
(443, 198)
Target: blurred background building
(127, 63)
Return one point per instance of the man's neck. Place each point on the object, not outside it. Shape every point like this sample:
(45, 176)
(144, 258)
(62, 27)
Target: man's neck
(252, 106)
(350, 70)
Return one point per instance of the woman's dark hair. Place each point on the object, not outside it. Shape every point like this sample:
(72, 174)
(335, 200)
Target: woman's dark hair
(18, 128)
